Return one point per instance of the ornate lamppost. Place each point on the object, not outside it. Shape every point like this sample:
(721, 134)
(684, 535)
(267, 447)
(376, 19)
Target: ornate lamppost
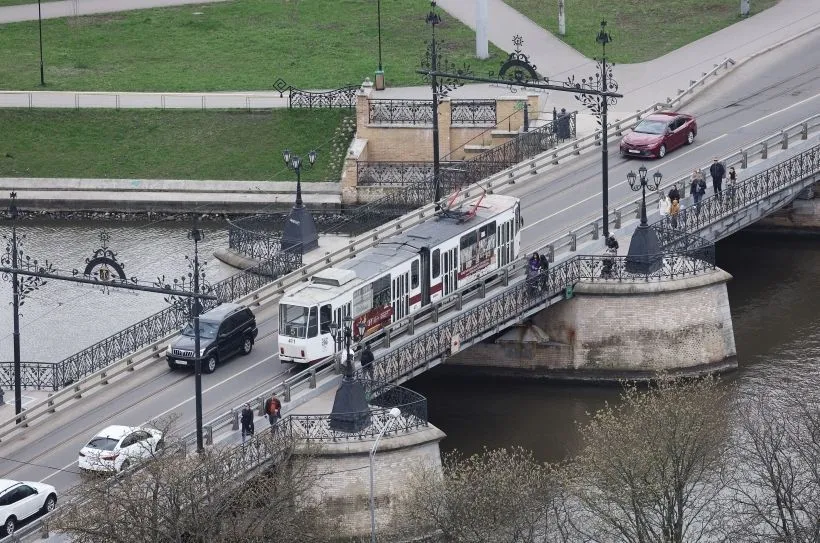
(380, 71)
(20, 287)
(300, 230)
(350, 410)
(644, 248)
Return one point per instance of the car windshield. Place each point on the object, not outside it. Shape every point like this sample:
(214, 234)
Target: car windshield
(207, 330)
(293, 320)
(103, 443)
(650, 127)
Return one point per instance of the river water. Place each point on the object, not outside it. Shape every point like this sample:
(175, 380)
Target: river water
(775, 303)
(61, 318)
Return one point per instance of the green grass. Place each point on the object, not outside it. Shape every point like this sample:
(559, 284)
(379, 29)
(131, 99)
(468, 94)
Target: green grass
(237, 45)
(641, 29)
(155, 144)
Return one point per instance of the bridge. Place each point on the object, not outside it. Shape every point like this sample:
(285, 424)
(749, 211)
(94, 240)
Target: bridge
(766, 185)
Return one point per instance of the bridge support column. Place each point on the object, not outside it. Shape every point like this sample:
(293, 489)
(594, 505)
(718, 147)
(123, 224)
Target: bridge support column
(343, 487)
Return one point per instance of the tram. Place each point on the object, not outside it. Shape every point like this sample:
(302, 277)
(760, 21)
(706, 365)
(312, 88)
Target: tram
(399, 276)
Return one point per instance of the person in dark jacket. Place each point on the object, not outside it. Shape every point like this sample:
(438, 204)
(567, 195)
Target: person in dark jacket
(543, 271)
(718, 171)
(367, 360)
(273, 409)
(246, 422)
(674, 193)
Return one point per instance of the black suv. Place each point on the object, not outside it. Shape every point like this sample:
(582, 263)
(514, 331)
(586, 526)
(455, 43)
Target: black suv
(223, 331)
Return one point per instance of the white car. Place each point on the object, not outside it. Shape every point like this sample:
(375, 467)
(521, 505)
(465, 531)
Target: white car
(117, 448)
(21, 500)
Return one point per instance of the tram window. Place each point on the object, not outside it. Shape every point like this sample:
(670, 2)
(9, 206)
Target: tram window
(313, 323)
(325, 316)
(436, 263)
(469, 239)
(519, 222)
(381, 291)
(414, 274)
(293, 320)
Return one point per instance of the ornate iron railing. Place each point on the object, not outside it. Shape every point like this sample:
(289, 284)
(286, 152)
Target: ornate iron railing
(257, 236)
(471, 112)
(397, 174)
(523, 298)
(37, 375)
(400, 111)
(298, 98)
(743, 194)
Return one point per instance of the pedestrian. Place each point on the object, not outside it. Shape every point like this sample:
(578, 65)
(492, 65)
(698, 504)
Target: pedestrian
(663, 206)
(612, 251)
(731, 185)
(697, 187)
(543, 271)
(674, 211)
(718, 171)
(273, 409)
(246, 421)
(367, 360)
(564, 125)
(674, 194)
(533, 266)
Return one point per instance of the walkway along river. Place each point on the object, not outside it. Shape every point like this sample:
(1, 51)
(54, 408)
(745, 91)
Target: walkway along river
(775, 302)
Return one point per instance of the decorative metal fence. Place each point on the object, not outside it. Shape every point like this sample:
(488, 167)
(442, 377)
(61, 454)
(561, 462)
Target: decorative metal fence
(398, 174)
(258, 236)
(744, 194)
(472, 112)
(401, 111)
(298, 98)
(524, 298)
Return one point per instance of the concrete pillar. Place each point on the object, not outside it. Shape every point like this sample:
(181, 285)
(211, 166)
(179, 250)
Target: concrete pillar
(562, 18)
(482, 50)
(343, 486)
(744, 8)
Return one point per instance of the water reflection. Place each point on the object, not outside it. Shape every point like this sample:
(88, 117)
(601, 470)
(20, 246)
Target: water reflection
(62, 318)
(775, 301)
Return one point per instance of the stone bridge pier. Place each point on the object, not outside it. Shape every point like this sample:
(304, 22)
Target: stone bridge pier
(610, 331)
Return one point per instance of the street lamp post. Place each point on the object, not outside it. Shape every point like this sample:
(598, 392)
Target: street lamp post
(395, 413)
(196, 235)
(604, 38)
(300, 230)
(380, 71)
(434, 19)
(350, 410)
(644, 248)
(40, 24)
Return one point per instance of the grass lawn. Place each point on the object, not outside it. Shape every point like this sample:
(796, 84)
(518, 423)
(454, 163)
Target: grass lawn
(156, 144)
(641, 30)
(236, 45)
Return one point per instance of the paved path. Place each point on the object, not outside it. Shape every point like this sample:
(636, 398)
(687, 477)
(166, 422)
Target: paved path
(642, 84)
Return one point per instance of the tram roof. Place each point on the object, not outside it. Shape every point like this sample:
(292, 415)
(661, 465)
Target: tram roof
(397, 249)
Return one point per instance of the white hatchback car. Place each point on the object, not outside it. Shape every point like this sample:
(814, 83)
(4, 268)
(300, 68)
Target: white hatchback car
(21, 500)
(116, 448)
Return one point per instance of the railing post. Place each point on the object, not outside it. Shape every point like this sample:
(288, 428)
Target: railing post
(764, 150)
(617, 214)
(261, 410)
(482, 290)
(804, 131)
(312, 378)
(234, 420)
(744, 159)
(551, 251)
(459, 302)
(209, 434)
(387, 338)
(573, 241)
(595, 230)
(411, 325)
(435, 313)
(286, 395)
(785, 136)
(638, 211)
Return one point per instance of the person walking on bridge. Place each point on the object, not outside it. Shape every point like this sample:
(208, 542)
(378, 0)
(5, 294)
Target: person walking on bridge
(273, 409)
(367, 360)
(246, 421)
(697, 187)
(718, 171)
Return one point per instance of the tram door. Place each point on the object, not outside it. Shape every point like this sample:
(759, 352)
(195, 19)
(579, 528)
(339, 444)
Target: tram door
(449, 266)
(401, 296)
(425, 275)
(338, 317)
(505, 243)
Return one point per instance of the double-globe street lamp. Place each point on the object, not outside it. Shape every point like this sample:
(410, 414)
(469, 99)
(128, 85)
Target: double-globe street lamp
(299, 232)
(394, 413)
(350, 410)
(644, 248)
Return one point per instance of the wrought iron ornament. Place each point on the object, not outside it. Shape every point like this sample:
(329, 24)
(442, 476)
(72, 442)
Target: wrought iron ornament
(343, 97)
(184, 305)
(518, 66)
(433, 61)
(603, 80)
(26, 284)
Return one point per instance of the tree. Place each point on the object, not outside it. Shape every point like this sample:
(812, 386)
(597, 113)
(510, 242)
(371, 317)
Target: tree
(177, 497)
(500, 495)
(776, 481)
(650, 468)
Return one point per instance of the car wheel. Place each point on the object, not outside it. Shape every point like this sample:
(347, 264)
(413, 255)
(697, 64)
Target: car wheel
(662, 151)
(10, 525)
(690, 137)
(125, 465)
(51, 503)
(210, 364)
(247, 345)
(172, 365)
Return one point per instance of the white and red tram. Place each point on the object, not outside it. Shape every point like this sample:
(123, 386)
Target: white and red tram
(399, 276)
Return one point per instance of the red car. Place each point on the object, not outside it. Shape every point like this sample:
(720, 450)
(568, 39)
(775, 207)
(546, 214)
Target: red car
(659, 133)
